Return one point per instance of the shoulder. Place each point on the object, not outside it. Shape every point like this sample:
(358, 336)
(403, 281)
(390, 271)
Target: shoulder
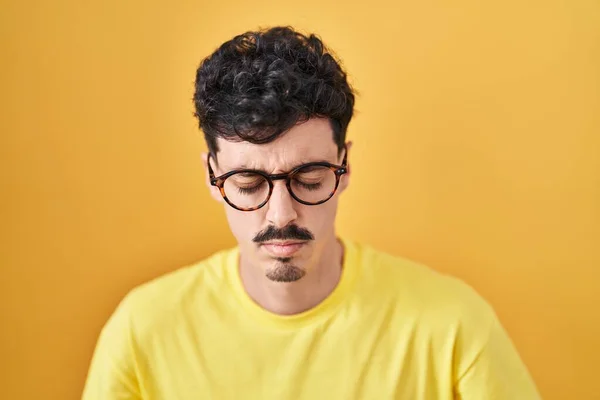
(442, 312)
(177, 283)
(163, 301)
(436, 299)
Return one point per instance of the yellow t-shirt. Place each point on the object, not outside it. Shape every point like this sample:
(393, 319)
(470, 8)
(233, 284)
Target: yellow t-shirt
(391, 329)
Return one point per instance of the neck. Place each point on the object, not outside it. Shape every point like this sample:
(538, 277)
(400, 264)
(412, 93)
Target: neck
(292, 298)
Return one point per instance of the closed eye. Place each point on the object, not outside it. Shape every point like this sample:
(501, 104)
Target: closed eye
(250, 189)
(309, 186)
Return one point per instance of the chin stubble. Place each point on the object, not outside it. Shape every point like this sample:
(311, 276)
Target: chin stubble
(284, 271)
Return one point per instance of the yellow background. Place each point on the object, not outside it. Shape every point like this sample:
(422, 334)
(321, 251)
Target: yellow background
(477, 143)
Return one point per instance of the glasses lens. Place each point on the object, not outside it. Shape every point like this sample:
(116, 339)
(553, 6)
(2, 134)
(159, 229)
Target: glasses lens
(246, 189)
(313, 184)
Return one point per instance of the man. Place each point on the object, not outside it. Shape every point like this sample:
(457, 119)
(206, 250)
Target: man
(294, 312)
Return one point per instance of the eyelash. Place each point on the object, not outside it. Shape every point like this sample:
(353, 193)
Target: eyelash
(310, 186)
(250, 190)
(254, 189)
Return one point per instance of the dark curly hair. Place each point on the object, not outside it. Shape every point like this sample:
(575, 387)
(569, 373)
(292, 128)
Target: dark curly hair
(258, 85)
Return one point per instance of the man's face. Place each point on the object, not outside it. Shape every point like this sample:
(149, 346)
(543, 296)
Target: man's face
(284, 238)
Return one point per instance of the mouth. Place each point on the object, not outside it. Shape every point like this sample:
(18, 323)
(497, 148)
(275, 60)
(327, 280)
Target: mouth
(282, 249)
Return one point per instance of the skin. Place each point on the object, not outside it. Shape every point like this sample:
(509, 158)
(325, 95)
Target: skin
(316, 266)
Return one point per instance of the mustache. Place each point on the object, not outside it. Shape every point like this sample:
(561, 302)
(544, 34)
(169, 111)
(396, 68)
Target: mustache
(290, 232)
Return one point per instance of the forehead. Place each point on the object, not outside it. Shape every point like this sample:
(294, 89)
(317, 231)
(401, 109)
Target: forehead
(305, 142)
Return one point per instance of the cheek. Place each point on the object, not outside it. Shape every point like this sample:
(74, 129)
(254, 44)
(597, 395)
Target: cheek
(244, 225)
(320, 219)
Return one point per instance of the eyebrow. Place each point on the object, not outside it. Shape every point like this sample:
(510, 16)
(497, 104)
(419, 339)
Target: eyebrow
(302, 162)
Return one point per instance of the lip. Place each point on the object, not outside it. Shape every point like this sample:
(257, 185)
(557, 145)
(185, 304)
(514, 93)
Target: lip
(282, 249)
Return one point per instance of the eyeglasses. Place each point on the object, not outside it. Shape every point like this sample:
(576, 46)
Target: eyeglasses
(248, 189)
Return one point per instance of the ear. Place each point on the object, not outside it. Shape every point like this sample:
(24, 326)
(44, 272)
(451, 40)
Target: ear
(214, 191)
(345, 179)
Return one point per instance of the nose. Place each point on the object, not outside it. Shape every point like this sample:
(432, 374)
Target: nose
(281, 206)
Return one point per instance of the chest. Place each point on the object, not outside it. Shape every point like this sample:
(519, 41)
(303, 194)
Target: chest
(335, 360)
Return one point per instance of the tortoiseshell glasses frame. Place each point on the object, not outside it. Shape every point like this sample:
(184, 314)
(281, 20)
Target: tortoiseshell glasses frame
(219, 181)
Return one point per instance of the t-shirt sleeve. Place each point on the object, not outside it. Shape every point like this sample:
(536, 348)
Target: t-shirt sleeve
(112, 373)
(496, 372)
